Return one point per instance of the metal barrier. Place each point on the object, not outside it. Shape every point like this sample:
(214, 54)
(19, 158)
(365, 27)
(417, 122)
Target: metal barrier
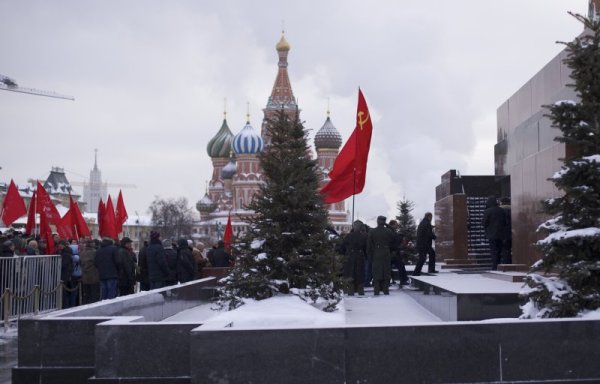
(29, 284)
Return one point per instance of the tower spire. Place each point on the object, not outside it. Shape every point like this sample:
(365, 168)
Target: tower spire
(95, 159)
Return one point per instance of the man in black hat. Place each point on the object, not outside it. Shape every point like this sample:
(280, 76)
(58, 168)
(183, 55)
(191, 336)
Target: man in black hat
(127, 263)
(379, 243)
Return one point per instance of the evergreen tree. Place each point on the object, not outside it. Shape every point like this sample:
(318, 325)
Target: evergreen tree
(408, 230)
(566, 281)
(286, 249)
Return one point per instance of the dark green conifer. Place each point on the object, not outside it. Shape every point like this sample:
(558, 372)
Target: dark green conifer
(566, 281)
(286, 250)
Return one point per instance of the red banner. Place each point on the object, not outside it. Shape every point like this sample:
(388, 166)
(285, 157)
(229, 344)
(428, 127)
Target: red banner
(13, 205)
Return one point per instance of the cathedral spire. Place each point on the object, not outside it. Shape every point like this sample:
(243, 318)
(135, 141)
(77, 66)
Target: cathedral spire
(95, 159)
(282, 95)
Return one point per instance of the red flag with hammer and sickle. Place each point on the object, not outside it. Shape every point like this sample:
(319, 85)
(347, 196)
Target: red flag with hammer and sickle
(349, 171)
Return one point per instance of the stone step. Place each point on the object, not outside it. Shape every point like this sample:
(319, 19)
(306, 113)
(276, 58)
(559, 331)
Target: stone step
(513, 267)
(513, 277)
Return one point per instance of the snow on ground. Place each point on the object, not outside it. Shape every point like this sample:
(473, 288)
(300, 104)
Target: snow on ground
(289, 311)
(470, 283)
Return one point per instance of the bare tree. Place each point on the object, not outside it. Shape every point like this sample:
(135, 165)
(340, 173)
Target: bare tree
(173, 218)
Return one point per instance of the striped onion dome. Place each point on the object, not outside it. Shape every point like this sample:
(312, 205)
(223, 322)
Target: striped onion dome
(247, 142)
(328, 136)
(228, 170)
(220, 144)
(206, 204)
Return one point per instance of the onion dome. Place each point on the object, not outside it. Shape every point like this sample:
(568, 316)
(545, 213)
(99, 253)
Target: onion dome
(220, 144)
(328, 136)
(247, 142)
(228, 170)
(282, 45)
(206, 205)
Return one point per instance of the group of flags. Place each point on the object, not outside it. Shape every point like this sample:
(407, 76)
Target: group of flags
(70, 226)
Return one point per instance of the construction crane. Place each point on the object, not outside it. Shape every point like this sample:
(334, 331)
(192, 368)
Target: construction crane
(8, 84)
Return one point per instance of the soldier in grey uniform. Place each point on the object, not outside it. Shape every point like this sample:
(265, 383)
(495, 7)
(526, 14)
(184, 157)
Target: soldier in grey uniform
(379, 243)
(355, 248)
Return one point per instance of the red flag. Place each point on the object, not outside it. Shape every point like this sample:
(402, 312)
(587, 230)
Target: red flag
(45, 207)
(13, 205)
(347, 177)
(65, 226)
(101, 209)
(72, 225)
(228, 234)
(30, 227)
(121, 213)
(46, 234)
(109, 223)
(81, 226)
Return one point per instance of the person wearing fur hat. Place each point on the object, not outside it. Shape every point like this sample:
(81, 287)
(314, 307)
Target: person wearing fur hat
(127, 263)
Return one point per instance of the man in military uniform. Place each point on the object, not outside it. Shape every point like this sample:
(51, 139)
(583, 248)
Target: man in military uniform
(397, 257)
(379, 243)
(355, 250)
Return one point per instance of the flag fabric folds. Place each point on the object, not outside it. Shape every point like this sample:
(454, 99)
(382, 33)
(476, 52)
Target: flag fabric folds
(227, 236)
(30, 226)
(46, 235)
(45, 207)
(72, 225)
(13, 205)
(120, 213)
(349, 171)
(109, 223)
(100, 220)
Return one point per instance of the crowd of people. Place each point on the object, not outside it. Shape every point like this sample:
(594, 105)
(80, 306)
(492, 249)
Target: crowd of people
(108, 268)
(370, 253)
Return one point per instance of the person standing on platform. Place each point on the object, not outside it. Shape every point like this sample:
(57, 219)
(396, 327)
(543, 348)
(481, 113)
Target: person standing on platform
(397, 257)
(186, 265)
(219, 257)
(355, 250)
(494, 223)
(507, 241)
(425, 237)
(143, 267)
(379, 243)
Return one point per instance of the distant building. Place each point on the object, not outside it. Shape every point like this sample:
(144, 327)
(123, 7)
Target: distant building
(95, 189)
(237, 174)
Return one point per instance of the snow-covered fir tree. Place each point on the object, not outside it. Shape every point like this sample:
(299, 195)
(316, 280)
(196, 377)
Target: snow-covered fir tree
(566, 281)
(408, 229)
(286, 250)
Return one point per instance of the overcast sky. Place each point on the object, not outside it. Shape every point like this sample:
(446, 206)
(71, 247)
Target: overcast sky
(150, 77)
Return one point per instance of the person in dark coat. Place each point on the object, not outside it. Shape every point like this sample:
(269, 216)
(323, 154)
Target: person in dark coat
(494, 223)
(354, 248)
(397, 257)
(90, 279)
(66, 269)
(7, 249)
(425, 237)
(379, 243)
(186, 265)
(219, 257)
(143, 267)
(158, 270)
(107, 262)
(171, 259)
(32, 248)
(127, 262)
(507, 241)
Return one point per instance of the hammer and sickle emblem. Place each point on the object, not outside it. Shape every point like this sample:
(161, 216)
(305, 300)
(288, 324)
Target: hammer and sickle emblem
(360, 120)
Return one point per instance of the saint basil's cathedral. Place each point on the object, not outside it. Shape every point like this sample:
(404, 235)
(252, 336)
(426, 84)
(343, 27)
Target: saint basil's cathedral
(237, 173)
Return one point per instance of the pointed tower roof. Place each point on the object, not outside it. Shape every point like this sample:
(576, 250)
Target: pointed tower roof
(57, 183)
(282, 95)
